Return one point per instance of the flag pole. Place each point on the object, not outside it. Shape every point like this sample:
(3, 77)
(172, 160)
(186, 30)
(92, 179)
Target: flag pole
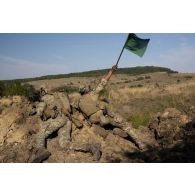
(120, 56)
(114, 68)
(121, 52)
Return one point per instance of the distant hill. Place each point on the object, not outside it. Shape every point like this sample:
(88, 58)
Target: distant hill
(95, 73)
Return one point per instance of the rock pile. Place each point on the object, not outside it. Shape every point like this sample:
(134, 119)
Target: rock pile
(80, 128)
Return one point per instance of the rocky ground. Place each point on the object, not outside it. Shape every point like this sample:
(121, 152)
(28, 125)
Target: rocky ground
(170, 137)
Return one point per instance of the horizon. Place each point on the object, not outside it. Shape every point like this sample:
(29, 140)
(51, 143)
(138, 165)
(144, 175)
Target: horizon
(86, 72)
(35, 55)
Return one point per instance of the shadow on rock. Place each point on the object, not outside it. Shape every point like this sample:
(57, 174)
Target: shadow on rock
(182, 152)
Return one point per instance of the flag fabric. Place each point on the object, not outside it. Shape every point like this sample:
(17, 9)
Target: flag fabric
(136, 45)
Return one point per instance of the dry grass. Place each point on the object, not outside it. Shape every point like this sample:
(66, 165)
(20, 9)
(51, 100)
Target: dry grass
(140, 104)
(187, 88)
(138, 100)
(125, 94)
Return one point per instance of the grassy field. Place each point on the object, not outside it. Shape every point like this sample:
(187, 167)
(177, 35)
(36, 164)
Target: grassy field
(138, 98)
(138, 93)
(140, 103)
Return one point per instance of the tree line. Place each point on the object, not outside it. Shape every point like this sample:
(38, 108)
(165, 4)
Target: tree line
(95, 73)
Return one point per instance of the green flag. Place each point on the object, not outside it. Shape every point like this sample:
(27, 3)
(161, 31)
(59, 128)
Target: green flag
(136, 45)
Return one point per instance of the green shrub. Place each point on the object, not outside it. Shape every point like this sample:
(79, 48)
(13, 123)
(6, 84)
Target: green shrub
(104, 93)
(139, 85)
(157, 85)
(188, 77)
(128, 81)
(12, 88)
(139, 78)
(134, 86)
(1, 88)
(66, 89)
(138, 119)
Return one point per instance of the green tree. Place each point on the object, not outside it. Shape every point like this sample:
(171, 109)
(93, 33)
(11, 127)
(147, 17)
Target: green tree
(1, 88)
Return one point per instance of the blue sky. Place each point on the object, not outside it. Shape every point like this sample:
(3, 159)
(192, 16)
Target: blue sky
(31, 55)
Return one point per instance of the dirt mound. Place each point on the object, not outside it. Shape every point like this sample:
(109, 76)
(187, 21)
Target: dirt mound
(170, 136)
(175, 134)
(168, 126)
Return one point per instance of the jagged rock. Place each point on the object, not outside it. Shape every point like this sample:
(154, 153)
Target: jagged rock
(52, 105)
(99, 131)
(77, 123)
(74, 99)
(88, 104)
(40, 108)
(120, 132)
(167, 126)
(60, 128)
(62, 102)
(94, 149)
(78, 119)
(49, 113)
(95, 118)
(39, 155)
(49, 99)
(32, 110)
(99, 118)
(142, 137)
